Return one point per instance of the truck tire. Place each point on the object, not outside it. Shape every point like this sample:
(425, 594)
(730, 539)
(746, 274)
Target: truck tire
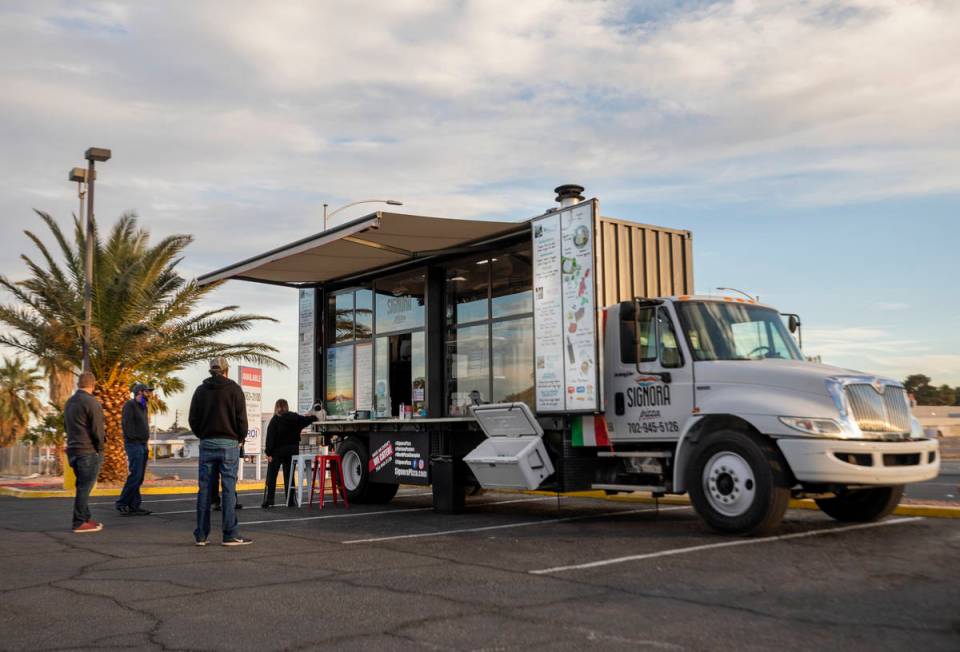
(738, 484)
(862, 505)
(356, 476)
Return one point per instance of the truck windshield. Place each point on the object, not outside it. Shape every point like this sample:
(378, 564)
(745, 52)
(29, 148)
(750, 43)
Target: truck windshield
(735, 331)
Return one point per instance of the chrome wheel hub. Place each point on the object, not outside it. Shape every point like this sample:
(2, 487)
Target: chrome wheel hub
(729, 484)
(352, 470)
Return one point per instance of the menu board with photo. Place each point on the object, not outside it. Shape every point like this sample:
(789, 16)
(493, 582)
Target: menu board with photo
(548, 314)
(363, 371)
(564, 305)
(305, 351)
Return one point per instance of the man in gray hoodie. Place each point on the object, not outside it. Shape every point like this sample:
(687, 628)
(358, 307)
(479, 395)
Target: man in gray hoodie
(83, 421)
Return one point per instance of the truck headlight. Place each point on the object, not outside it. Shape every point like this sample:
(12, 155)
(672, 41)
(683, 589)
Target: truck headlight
(916, 429)
(823, 427)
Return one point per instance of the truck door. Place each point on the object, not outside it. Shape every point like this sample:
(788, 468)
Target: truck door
(651, 380)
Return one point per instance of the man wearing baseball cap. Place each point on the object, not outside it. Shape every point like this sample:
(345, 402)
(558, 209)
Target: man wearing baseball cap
(135, 422)
(218, 417)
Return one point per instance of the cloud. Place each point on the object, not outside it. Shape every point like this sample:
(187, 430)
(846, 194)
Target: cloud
(236, 121)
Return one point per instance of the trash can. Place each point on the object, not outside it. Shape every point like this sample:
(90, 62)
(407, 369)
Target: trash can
(448, 490)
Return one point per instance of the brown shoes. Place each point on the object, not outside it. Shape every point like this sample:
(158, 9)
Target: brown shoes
(89, 526)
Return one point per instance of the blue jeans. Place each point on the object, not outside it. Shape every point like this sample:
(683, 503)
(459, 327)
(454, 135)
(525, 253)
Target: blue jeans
(86, 468)
(136, 468)
(223, 462)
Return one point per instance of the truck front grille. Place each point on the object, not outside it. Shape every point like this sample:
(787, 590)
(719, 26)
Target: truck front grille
(876, 412)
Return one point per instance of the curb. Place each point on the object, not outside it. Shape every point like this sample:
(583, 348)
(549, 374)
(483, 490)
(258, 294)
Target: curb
(16, 492)
(929, 511)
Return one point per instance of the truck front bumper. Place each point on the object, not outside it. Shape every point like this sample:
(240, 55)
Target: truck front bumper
(845, 461)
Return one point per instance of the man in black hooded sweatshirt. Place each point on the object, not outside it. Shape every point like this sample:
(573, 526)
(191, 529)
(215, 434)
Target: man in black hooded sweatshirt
(218, 417)
(283, 442)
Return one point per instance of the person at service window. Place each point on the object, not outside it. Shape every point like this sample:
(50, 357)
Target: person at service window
(283, 442)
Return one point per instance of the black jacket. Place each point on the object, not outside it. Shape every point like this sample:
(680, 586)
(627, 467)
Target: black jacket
(135, 422)
(283, 433)
(218, 410)
(83, 421)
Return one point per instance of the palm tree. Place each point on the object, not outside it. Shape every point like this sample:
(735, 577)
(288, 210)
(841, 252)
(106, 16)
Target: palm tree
(20, 389)
(146, 326)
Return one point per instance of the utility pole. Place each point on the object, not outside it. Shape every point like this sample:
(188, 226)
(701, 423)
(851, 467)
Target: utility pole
(92, 155)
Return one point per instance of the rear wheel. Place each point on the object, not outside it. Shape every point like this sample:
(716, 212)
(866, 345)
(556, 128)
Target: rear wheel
(737, 483)
(356, 475)
(862, 505)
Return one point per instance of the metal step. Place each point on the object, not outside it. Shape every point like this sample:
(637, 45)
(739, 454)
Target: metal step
(664, 454)
(630, 487)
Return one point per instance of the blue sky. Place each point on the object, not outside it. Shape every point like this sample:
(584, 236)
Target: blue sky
(813, 147)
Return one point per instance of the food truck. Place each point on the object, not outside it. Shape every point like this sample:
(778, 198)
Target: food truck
(569, 352)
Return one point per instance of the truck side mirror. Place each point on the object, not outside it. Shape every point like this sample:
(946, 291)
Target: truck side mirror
(793, 323)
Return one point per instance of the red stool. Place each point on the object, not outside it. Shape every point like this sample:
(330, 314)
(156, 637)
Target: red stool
(320, 465)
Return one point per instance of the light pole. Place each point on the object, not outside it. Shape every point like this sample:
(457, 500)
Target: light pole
(92, 155)
(80, 176)
(752, 298)
(392, 202)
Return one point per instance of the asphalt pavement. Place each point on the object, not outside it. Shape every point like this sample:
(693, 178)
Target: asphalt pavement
(513, 572)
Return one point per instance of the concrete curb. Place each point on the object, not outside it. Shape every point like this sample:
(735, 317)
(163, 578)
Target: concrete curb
(930, 511)
(16, 492)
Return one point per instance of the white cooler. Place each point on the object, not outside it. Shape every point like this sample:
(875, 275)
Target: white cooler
(513, 455)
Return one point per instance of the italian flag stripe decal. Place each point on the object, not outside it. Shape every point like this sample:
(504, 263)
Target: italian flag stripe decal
(590, 431)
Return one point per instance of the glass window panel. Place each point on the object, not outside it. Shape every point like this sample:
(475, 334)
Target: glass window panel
(418, 373)
(513, 361)
(343, 317)
(381, 385)
(364, 314)
(468, 369)
(468, 288)
(340, 380)
(400, 302)
(669, 346)
(512, 278)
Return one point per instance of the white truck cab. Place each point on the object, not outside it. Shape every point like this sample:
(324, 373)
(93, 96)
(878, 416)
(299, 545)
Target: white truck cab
(712, 396)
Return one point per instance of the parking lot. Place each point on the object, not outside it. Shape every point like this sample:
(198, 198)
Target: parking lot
(514, 571)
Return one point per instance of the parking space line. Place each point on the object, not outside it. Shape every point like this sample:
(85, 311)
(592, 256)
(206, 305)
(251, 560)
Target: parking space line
(724, 544)
(441, 533)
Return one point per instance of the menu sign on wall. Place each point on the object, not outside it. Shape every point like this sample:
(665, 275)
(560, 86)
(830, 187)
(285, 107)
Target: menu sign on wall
(564, 307)
(305, 354)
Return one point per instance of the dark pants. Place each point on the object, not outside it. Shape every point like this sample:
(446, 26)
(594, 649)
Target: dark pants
(278, 460)
(136, 468)
(222, 462)
(85, 467)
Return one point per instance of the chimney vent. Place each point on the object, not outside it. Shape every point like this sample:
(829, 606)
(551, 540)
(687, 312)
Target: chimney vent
(569, 194)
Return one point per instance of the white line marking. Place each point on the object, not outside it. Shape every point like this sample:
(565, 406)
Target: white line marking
(193, 497)
(725, 544)
(382, 511)
(618, 512)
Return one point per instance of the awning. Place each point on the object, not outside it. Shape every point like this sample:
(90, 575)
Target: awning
(372, 242)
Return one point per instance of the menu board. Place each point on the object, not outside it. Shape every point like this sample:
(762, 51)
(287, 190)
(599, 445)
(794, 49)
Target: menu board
(564, 308)
(305, 351)
(363, 374)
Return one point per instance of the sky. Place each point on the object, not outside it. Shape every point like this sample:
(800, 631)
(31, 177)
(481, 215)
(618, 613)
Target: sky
(812, 147)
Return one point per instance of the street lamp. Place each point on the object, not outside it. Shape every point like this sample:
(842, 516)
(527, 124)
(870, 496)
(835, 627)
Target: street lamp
(92, 155)
(80, 176)
(752, 298)
(392, 202)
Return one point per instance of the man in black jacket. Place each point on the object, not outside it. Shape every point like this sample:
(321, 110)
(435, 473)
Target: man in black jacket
(83, 421)
(283, 442)
(135, 423)
(218, 417)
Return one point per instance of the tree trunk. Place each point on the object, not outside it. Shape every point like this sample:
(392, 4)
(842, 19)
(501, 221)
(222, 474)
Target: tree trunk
(60, 385)
(112, 397)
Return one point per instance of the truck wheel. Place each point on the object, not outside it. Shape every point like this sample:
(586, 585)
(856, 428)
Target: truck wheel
(862, 505)
(737, 484)
(356, 475)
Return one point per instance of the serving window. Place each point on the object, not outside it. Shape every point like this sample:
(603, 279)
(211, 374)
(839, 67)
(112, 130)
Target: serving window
(489, 335)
